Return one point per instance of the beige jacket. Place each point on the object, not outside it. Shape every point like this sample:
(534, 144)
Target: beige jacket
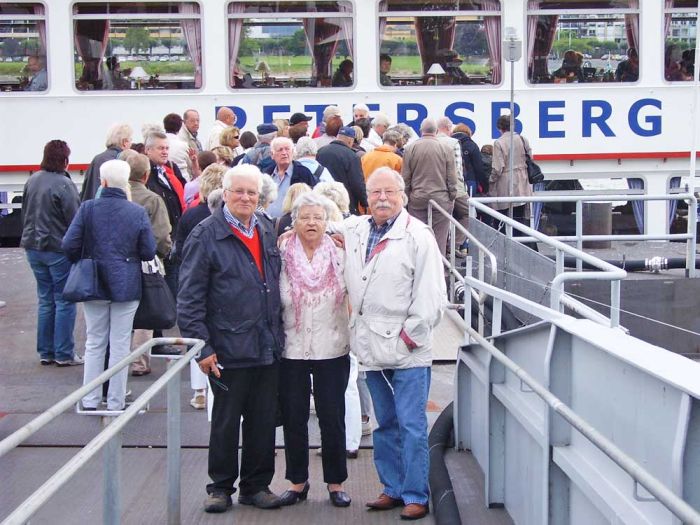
(157, 214)
(499, 181)
(429, 170)
(323, 332)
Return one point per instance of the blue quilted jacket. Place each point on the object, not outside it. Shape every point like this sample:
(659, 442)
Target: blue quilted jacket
(117, 234)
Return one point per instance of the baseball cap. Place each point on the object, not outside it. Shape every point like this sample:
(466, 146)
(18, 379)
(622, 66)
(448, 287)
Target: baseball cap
(347, 131)
(264, 129)
(297, 118)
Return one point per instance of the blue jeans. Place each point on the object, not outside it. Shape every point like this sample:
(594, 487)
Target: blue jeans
(56, 317)
(401, 440)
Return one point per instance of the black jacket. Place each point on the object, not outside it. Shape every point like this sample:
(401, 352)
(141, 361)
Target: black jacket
(222, 298)
(345, 166)
(172, 201)
(118, 235)
(49, 203)
(91, 181)
(191, 218)
(300, 173)
(471, 160)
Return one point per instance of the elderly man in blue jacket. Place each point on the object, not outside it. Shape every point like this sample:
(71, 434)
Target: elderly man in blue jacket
(229, 297)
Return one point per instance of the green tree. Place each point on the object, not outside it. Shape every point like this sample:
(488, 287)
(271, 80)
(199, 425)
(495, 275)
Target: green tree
(136, 39)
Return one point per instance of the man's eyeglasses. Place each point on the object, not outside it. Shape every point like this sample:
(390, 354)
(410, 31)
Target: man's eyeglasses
(378, 193)
(241, 193)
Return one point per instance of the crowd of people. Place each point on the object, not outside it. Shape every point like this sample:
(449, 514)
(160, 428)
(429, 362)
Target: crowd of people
(289, 314)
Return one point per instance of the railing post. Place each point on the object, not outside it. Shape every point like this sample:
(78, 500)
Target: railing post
(691, 242)
(453, 247)
(111, 505)
(174, 442)
(555, 291)
(614, 303)
(579, 233)
(430, 214)
(467, 298)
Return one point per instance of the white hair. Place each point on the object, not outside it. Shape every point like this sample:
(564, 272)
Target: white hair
(153, 136)
(330, 111)
(385, 170)
(148, 129)
(268, 193)
(249, 171)
(214, 199)
(445, 123)
(380, 119)
(115, 173)
(279, 141)
(312, 199)
(336, 192)
(117, 134)
(428, 126)
(306, 147)
(361, 107)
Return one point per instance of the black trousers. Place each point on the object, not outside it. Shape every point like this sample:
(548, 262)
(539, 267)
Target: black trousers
(330, 382)
(252, 395)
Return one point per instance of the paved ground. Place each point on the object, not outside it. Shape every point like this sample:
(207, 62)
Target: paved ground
(27, 389)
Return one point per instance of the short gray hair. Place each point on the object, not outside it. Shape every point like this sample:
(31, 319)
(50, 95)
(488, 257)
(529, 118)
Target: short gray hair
(380, 119)
(444, 122)
(312, 199)
(148, 129)
(268, 193)
(306, 147)
(385, 170)
(278, 141)
(267, 137)
(115, 173)
(361, 106)
(428, 126)
(404, 130)
(243, 170)
(117, 134)
(215, 199)
(152, 136)
(330, 111)
(139, 164)
(392, 137)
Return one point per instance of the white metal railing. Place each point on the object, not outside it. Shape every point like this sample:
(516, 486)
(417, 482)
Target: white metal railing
(110, 437)
(638, 473)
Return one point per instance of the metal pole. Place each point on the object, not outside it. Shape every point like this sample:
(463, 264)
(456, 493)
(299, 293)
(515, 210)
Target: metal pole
(112, 504)
(579, 233)
(174, 443)
(512, 131)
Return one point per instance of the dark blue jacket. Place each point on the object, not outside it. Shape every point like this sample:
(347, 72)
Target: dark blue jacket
(118, 235)
(472, 165)
(222, 298)
(300, 173)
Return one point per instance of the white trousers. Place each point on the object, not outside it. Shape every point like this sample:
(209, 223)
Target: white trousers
(107, 322)
(353, 412)
(198, 380)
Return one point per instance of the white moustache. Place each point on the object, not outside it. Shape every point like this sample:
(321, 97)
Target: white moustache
(382, 205)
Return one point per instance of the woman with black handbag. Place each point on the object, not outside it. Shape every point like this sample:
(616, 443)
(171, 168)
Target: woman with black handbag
(117, 235)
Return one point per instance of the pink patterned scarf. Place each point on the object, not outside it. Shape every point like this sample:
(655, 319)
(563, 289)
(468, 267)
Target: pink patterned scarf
(310, 280)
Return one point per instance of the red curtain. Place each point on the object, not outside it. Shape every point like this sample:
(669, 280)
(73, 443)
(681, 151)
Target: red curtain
(322, 40)
(434, 36)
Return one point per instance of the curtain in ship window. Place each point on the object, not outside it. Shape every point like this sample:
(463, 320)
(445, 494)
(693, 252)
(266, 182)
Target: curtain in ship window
(383, 6)
(91, 41)
(492, 26)
(41, 28)
(346, 26)
(541, 31)
(434, 36)
(632, 26)
(192, 32)
(235, 33)
(637, 206)
(321, 37)
(667, 18)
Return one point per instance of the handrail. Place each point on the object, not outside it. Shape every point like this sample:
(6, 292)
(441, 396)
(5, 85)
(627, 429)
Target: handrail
(637, 472)
(29, 506)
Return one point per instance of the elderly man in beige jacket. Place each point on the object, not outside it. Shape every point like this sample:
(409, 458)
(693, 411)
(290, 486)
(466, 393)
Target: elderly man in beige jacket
(429, 172)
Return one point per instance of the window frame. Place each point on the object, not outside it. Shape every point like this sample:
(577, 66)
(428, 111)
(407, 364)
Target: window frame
(671, 11)
(42, 17)
(199, 16)
(294, 14)
(587, 11)
(442, 13)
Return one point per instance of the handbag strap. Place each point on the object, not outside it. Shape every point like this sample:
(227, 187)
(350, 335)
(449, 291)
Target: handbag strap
(87, 233)
(527, 155)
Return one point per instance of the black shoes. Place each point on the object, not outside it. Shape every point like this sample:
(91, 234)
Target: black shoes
(339, 498)
(291, 497)
(264, 499)
(165, 350)
(217, 502)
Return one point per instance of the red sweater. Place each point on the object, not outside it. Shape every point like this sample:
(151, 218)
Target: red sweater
(253, 245)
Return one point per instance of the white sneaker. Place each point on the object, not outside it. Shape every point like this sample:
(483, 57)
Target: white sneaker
(199, 401)
(76, 361)
(367, 428)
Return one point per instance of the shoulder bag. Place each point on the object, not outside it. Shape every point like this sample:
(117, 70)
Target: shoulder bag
(82, 283)
(157, 309)
(534, 173)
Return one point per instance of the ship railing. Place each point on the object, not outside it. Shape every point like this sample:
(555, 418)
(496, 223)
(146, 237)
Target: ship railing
(477, 419)
(110, 437)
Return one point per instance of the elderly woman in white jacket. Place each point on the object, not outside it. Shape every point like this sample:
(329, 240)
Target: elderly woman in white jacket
(315, 315)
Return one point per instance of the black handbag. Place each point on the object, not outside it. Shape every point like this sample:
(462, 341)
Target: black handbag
(82, 283)
(534, 173)
(157, 310)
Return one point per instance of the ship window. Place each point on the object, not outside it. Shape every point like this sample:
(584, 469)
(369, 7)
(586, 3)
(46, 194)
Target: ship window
(574, 41)
(137, 45)
(295, 44)
(439, 43)
(23, 47)
(680, 30)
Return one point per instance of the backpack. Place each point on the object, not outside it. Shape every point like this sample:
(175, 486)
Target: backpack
(317, 174)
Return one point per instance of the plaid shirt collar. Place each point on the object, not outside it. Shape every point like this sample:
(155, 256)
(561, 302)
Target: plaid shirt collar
(376, 233)
(235, 223)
